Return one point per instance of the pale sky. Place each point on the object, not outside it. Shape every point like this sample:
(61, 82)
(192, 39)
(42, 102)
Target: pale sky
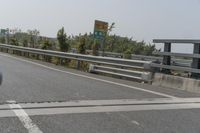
(140, 19)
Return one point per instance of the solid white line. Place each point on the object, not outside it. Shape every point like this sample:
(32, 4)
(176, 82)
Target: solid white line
(135, 122)
(105, 109)
(119, 102)
(23, 113)
(24, 118)
(89, 103)
(88, 77)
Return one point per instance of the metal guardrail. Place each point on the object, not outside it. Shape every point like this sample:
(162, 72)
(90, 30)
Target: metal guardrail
(114, 66)
(88, 58)
(133, 56)
(178, 54)
(178, 68)
(181, 63)
(121, 64)
(138, 75)
(176, 41)
(178, 62)
(167, 66)
(174, 61)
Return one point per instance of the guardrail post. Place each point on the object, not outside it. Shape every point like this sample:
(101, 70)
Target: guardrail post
(196, 61)
(37, 57)
(78, 65)
(167, 59)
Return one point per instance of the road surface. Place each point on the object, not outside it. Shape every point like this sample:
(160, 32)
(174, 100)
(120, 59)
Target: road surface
(38, 97)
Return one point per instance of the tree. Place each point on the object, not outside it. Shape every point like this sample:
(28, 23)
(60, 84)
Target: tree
(111, 27)
(127, 54)
(25, 43)
(82, 45)
(14, 41)
(47, 45)
(138, 48)
(62, 40)
(95, 48)
(149, 49)
(3, 40)
(33, 36)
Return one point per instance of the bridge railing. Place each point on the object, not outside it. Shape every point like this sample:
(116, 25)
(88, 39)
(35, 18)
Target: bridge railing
(166, 66)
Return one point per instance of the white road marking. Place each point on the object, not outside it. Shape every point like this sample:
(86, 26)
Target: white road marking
(98, 109)
(128, 119)
(88, 77)
(24, 118)
(119, 102)
(105, 109)
(135, 122)
(23, 111)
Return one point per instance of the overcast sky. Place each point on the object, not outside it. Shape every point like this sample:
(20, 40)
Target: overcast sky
(140, 19)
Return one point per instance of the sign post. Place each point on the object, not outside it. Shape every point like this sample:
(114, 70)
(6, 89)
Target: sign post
(100, 31)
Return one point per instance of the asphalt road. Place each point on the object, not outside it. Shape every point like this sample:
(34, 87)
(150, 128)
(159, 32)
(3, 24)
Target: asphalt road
(87, 103)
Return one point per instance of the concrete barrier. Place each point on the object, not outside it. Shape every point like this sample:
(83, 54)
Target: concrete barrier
(176, 82)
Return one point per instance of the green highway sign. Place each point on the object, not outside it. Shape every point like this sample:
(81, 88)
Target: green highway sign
(4, 31)
(100, 29)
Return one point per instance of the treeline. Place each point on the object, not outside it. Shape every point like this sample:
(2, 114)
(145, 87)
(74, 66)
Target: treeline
(79, 43)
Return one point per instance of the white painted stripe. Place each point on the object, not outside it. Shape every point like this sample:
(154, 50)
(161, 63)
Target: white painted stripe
(135, 122)
(23, 111)
(93, 103)
(100, 109)
(97, 109)
(97, 79)
(118, 102)
(105, 109)
(25, 119)
(7, 113)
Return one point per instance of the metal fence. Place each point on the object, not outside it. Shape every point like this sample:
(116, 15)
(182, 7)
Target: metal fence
(116, 66)
(137, 69)
(167, 66)
(174, 61)
(133, 56)
(137, 75)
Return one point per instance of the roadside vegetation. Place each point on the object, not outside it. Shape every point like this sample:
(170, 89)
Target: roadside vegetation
(82, 43)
